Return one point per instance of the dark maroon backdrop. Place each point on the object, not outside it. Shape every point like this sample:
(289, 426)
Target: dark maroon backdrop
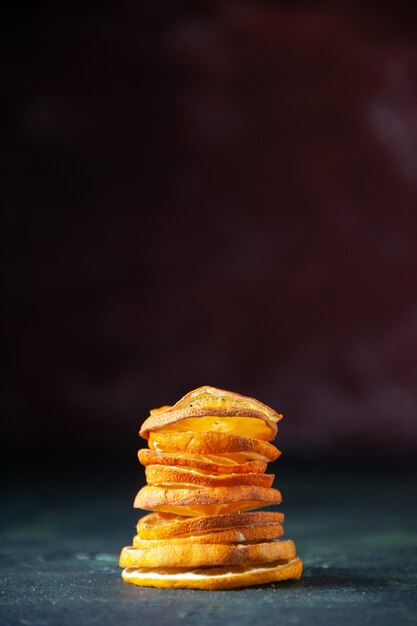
(216, 193)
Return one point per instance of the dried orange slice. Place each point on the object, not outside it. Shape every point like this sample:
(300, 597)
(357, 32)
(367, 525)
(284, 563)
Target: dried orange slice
(205, 396)
(231, 464)
(211, 409)
(240, 534)
(206, 501)
(167, 526)
(229, 577)
(172, 477)
(214, 443)
(207, 555)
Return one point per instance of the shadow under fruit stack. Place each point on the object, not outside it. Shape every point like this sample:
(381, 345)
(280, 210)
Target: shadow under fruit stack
(205, 472)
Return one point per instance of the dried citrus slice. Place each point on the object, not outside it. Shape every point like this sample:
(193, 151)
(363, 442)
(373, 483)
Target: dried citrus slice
(240, 534)
(214, 443)
(208, 408)
(226, 464)
(205, 396)
(229, 577)
(206, 501)
(207, 555)
(171, 477)
(167, 526)
(213, 420)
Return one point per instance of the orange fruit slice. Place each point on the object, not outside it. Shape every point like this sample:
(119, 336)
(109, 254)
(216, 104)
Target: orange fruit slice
(240, 534)
(172, 477)
(231, 464)
(229, 577)
(212, 420)
(166, 526)
(214, 443)
(208, 408)
(207, 555)
(206, 501)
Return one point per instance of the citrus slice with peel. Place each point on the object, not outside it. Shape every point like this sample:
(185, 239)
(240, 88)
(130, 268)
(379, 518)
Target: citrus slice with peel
(207, 396)
(208, 408)
(215, 578)
(206, 501)
(216, 420)
(240, 534)
(214, 443)
(226, 464)
(207, 555)
(166, 526)
(172, 477)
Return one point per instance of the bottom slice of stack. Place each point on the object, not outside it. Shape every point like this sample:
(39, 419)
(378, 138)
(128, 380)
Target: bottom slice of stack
(210, 552)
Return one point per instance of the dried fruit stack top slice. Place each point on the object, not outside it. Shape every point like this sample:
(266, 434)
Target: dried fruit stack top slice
(215, 410)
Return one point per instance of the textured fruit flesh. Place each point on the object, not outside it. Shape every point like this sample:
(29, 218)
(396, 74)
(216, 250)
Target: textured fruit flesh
(176, 477)
(251, 426)
(210, 578)
(157, 520)
(196, 510)
(229, 458)
(210, 397)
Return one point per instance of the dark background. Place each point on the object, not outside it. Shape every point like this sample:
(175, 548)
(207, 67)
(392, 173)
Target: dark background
(209, 193)
(217, 193)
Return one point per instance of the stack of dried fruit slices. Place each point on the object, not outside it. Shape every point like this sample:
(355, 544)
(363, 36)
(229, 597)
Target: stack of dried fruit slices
(205, 469)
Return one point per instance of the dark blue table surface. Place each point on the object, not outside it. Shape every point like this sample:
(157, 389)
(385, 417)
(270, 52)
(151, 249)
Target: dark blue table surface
(355, 529)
